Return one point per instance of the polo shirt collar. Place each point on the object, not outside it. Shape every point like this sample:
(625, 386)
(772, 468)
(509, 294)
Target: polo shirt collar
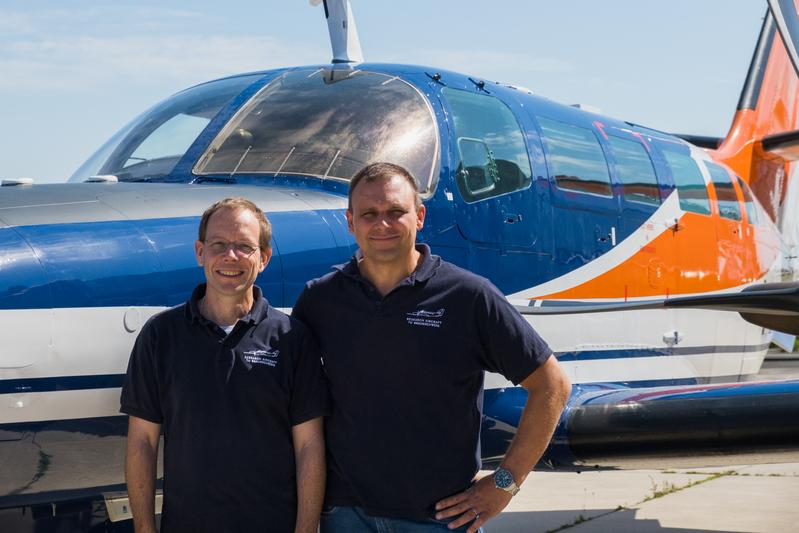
(427, 266)
(258, 312)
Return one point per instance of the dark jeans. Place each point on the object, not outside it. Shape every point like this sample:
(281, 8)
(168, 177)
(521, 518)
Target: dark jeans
(355, 520)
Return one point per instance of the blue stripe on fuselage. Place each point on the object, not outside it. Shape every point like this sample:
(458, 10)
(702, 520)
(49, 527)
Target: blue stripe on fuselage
(151, 262)
(61, 383)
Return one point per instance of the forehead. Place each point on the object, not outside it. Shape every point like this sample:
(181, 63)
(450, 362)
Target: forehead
(233, 220)
(394, 189)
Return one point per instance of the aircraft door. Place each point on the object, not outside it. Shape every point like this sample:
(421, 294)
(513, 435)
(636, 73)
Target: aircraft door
(733, 264)
(646, 272)
(695, 237)
(494, 203)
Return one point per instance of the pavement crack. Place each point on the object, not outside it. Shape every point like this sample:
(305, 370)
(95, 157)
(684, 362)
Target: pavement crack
(658, 491)
(668, 488)
(41, 468)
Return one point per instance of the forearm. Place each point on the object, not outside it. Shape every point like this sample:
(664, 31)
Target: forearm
(545, 402)
(310, 485)
(140, 472)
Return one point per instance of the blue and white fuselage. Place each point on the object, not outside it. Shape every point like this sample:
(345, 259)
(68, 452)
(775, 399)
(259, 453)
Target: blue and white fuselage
(84, 265)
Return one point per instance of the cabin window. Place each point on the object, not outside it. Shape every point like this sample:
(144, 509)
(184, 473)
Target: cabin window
(725, 192)
(492, 153)
(749, 202)
(690, 184)
(575, 158)
(635, 171)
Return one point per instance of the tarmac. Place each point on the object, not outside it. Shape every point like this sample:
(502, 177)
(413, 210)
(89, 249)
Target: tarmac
(742, 493)
(740, 498)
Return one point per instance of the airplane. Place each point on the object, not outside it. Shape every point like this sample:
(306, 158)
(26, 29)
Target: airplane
(627, 246)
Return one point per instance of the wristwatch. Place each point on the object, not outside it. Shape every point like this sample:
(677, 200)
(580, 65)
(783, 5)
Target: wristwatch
(503, 479)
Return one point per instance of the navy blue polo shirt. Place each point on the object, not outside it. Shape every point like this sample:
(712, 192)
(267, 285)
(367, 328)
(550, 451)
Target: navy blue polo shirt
(226, 404)
(406, 377)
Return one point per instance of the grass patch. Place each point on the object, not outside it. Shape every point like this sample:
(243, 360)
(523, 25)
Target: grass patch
(668, 488)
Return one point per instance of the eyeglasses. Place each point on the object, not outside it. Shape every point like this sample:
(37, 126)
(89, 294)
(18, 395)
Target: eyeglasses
(242, 249)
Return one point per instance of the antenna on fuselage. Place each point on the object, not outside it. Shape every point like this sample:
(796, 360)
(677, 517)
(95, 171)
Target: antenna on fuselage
(343, 34)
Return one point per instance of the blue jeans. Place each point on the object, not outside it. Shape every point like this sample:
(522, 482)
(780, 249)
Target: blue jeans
(345, 519)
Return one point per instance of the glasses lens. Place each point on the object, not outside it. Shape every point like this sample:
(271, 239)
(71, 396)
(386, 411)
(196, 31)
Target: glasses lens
(244, 249)
(241, 248)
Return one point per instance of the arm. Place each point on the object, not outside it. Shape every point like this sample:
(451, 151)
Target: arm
(548, 390)
(140, 471)
(309, 453)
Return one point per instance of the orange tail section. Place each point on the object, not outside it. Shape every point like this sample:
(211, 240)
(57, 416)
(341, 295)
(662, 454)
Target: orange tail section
(763, 140)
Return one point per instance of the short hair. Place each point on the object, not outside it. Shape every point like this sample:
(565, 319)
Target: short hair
(375, 171)
(265, 228)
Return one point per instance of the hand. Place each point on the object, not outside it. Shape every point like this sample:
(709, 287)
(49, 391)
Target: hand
(477, 504)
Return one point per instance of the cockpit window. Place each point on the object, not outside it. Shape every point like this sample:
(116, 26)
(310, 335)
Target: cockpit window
(148, 148)
(304, 123)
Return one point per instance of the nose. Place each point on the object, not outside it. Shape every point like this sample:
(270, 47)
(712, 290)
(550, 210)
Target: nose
(230, 251)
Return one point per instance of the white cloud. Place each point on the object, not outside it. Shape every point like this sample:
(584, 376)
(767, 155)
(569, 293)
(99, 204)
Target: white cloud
(97, 20)
(71, 64)
(112, 45)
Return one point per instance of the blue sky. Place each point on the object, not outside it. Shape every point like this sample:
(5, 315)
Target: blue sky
(73, 72)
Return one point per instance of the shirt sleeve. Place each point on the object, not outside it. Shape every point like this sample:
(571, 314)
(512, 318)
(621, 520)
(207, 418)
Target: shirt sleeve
(510, 345)
(141, 392)
(310, 397)
(300, 309)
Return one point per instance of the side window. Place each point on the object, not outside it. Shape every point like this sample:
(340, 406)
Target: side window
(728, 200)
(635, 171)
(169, 140)
(691, 186)
(749, 203)
(492, 153)
(576, 158)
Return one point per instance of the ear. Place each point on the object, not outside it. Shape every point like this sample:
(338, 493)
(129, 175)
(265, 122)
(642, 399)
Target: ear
(198, 252)
(350, 227)
(420, 213)
(266, 255)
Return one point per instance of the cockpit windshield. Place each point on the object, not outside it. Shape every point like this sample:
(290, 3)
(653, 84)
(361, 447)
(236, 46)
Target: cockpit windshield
(304, 123)
(150, 146)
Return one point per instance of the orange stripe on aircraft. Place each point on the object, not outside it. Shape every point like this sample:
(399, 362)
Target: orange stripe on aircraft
(694, 258)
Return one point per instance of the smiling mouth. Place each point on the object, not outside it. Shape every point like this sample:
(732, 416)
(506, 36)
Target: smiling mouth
(229, 273)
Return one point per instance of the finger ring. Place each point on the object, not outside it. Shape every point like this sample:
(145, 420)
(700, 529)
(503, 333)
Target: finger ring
(476, 514)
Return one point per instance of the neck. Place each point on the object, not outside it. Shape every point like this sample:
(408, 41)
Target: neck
(223, 310)
(386, 276)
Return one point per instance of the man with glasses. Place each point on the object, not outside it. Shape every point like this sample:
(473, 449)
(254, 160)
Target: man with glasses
(238, 388)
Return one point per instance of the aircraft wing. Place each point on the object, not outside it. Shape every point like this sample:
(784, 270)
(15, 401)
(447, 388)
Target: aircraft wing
(688, 425)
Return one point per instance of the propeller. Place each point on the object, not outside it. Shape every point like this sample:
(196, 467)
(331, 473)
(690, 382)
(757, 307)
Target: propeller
(770, 305)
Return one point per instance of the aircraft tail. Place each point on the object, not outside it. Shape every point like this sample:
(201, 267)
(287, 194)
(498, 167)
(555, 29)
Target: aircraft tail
(763, 140)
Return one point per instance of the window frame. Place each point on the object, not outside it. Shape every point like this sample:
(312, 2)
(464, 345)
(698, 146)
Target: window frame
(710, 165)
(523, 138)
(680, 150)
(619, 135)
(548, 156)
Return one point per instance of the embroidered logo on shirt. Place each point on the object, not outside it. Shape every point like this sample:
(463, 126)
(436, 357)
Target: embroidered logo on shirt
(425, 318)
(262, 357)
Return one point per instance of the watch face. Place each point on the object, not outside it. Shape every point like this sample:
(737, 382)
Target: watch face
(502, 478)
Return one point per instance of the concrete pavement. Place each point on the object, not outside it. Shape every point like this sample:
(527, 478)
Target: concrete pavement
(743, 498)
